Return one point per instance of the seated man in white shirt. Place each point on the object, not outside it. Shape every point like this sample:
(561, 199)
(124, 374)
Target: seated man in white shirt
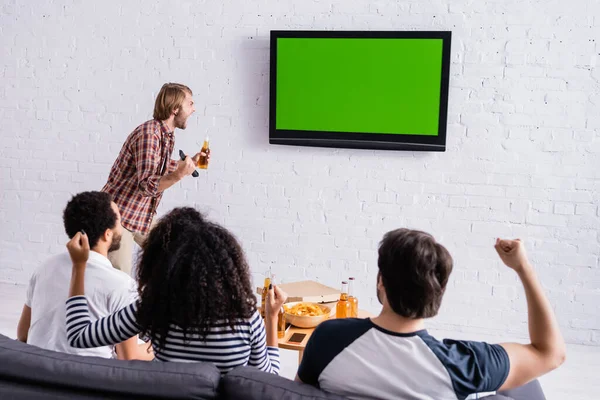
(43, 321)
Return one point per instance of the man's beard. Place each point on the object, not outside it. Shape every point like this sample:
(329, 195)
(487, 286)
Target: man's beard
(180, 121)
(115, 244)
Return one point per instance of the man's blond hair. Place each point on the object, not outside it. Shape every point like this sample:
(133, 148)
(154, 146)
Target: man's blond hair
(169, 98)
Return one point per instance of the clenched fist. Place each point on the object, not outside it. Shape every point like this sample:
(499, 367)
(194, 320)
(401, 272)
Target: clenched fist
(79, 249)
(512, 253)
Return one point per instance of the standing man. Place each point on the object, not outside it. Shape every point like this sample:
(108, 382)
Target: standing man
(144, 168)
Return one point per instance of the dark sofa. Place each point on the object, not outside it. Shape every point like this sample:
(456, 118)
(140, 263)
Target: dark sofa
(28, 372)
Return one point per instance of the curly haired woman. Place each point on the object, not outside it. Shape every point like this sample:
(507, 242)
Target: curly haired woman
(195, 299)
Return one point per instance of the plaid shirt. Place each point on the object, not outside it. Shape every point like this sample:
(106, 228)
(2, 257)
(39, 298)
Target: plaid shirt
(134, 177)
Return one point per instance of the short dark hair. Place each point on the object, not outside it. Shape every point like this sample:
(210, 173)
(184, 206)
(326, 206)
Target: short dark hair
(91, 212)
(414, 270)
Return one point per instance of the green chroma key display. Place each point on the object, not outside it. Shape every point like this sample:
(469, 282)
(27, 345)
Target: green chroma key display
(359, 85)
(385, 90)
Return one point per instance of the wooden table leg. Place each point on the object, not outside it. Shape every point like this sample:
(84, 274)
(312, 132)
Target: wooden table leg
(300, 354)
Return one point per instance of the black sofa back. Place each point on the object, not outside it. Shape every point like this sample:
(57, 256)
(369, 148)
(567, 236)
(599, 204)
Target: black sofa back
(30, 372)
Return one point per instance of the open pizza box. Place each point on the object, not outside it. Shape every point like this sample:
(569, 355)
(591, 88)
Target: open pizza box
(310, 292)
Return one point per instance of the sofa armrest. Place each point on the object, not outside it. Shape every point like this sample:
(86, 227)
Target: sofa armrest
(531, 391)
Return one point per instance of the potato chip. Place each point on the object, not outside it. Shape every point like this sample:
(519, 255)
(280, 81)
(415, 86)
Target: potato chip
(305, 310)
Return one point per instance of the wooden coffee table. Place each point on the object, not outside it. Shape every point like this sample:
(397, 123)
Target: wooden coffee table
(299, 347)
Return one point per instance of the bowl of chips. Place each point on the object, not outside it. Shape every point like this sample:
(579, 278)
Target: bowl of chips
(306, 315)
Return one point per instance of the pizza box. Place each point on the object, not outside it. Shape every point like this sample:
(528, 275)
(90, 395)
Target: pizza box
(309, 291)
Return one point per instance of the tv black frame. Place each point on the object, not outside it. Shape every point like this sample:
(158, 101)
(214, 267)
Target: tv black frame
(356, 140)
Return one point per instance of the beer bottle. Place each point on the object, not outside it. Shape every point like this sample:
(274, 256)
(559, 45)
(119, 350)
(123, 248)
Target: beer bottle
(343, 308)
(203, 161)
(263, 297)
(280, 316)
(352, 299)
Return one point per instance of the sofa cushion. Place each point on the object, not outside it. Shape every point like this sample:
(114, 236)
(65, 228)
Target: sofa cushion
(249, 383)
(25, 366)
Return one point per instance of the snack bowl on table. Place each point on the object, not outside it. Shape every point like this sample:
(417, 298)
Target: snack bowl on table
(300, 317)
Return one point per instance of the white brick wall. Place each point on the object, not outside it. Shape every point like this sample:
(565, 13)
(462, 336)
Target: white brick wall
(522, 160)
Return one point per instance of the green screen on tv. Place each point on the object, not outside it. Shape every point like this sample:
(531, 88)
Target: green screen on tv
(357, 85)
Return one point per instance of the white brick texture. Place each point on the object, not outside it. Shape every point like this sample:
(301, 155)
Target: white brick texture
(523, 156)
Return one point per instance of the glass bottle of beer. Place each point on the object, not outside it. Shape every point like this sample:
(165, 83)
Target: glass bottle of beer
(352, 299)
(203, 161)
(263, 296)
(280, 316)
(343, 308)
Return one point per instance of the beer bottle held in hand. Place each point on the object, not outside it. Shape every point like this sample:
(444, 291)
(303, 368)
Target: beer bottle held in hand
(263, 297)
(280, 316)
(203, 161)
(343, 308)
(352, 299)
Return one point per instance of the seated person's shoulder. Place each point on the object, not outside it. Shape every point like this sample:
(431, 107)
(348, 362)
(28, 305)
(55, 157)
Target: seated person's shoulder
(345, 327)
(328, 340)
(474, 367)
(121, 289)
(351, 324)
(119, 275)
(49, 266)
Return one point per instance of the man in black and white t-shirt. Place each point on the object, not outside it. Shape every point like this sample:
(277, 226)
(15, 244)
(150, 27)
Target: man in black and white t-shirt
(393, 357)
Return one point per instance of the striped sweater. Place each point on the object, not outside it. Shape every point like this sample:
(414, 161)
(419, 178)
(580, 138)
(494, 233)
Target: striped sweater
(222, 346)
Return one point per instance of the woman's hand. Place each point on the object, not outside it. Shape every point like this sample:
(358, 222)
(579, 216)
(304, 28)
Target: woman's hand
(275, 299)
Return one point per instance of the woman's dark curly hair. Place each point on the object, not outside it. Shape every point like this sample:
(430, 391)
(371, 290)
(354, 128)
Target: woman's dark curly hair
(193, 274)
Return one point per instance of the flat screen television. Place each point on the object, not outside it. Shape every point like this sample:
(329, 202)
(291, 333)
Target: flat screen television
(359, 89)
